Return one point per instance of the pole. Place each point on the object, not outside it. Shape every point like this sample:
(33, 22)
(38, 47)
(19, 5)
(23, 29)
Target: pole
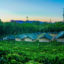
(63, 14)
(27, 18)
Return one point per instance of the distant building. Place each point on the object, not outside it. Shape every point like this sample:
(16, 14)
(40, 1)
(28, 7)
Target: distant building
(30, 37)
(5, 38)
(17, 39)
(53, 35)
(60, 37)
(10, 37)
(44, 37)
(20, 37)
(27, 39)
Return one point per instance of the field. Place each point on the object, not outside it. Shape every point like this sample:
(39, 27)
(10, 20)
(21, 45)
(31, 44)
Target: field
(12, 52)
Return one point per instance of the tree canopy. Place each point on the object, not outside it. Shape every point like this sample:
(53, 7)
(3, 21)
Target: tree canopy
(8, 28)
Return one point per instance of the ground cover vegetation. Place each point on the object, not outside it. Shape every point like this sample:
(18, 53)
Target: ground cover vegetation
(31, 52)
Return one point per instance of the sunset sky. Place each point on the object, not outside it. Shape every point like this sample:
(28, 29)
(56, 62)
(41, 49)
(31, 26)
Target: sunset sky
(41, 10)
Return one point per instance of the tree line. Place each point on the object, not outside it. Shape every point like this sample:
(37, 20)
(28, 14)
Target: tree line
(8, 28)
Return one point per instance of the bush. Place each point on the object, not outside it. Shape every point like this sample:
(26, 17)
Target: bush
(33, 62)
(23, 53)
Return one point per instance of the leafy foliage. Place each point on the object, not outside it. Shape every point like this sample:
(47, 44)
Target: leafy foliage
(31, 53)
(8, 28)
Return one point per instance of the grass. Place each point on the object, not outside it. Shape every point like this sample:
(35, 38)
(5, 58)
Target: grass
(31, 53)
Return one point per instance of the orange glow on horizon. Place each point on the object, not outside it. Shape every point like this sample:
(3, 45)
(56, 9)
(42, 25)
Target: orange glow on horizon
(45, 19)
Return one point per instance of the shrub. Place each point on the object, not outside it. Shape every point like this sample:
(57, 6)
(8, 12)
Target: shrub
(33, 62)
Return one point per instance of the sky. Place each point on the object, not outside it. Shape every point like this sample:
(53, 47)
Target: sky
(42, 10)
